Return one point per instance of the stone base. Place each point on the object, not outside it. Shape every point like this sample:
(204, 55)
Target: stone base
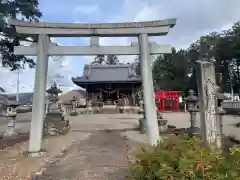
(58, 132)
(9, 133)
(193, 131)
(143, 126)
(234, 139)
(54, 116)
(114, 110)
(34, 154)
(57, 125)
(162, 124)
(56, 128)
(179, 131)
(159, 115)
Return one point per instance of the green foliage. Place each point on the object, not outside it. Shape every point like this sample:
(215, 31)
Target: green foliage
(170, 71)
(137, 64)
(16, 9)
(98, 60)
(183, 158)
(176, 71)
(112, 59)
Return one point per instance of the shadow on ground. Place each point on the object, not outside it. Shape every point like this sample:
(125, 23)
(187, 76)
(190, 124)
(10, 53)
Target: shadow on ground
(108, 130)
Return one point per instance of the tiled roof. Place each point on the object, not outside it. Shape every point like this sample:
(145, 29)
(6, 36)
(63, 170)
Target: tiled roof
(108, 73)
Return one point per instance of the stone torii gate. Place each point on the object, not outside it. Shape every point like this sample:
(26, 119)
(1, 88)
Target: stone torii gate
(44, 48)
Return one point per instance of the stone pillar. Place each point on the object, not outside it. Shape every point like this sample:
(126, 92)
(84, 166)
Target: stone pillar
(207, 87)
(147, 81)
(36, 130)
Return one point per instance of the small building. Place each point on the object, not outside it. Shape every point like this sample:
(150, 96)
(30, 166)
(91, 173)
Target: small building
(110, 83)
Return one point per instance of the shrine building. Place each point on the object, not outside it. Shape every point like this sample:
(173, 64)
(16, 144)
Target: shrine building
(110, 83)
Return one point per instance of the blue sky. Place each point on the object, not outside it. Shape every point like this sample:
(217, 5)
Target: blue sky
(194, 18)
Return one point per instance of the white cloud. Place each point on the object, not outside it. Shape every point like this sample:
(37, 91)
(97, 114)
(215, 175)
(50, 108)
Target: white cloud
(86, 9)
(59, 70)
(194, 19)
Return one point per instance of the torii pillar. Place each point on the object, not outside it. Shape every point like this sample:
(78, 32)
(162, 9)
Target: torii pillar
(36, 130)
(148, 93)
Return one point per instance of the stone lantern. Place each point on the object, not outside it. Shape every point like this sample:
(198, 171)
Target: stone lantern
(192, 109)
(53, 92)
(11, 116)
(54, 122)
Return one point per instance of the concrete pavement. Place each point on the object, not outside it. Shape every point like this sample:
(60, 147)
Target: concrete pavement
(94, 144)
(124, 121)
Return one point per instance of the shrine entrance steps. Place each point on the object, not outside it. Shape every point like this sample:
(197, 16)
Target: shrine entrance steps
(100, 157)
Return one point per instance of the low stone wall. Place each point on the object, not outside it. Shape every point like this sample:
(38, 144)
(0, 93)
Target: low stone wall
(110, 110)
(231, 107)
(23, 109)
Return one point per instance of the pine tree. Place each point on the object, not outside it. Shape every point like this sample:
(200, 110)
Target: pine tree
(22, 10)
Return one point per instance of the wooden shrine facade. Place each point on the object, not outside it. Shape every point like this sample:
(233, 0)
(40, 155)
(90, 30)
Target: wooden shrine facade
(110, 83)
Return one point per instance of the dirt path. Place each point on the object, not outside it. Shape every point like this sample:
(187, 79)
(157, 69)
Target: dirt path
(99, 157)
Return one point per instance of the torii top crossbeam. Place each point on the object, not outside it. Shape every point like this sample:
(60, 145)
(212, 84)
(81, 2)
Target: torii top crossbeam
(152, 28)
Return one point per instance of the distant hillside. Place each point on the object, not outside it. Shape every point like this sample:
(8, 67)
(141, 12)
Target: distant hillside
(24, 98)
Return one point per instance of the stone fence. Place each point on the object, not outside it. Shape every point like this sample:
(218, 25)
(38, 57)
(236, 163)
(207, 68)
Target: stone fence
(231, 107)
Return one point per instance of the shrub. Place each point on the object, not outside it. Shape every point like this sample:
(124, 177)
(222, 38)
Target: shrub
(183, 158)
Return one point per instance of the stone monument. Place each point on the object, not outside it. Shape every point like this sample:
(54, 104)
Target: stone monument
(208, 104)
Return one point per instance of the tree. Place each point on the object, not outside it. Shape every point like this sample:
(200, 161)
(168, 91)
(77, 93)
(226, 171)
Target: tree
(170, 71)
(16, 9)
(136, 63)
(177, 70)
(112, 59)
(2, 90)
(99, 59)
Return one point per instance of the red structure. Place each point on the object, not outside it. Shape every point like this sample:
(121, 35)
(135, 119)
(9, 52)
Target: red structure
(167, 100)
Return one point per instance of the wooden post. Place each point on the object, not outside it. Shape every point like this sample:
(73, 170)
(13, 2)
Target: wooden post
(207, 90)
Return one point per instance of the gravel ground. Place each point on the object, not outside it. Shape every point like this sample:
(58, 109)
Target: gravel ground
(101, 157)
